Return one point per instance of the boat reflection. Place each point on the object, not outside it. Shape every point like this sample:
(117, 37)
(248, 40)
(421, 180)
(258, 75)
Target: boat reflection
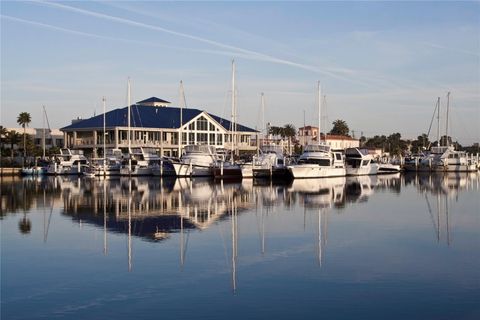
(158, 210)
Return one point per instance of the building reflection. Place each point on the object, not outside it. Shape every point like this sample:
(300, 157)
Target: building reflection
(155, 209)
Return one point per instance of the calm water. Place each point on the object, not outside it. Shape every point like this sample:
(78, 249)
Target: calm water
(386, 247)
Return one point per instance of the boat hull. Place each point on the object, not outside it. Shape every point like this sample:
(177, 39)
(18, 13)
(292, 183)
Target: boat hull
(306, 171)
(190, 170)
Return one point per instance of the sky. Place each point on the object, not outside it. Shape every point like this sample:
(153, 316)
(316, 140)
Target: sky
(381, 65)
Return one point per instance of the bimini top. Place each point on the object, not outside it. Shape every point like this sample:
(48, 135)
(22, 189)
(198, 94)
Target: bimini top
(149, 117)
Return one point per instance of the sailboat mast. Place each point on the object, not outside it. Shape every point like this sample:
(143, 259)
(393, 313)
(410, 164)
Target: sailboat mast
(180, 134)
(438, 122)
(263, 116)
(233, 111)
(128, 117)
(104, 136)
(319, 109)
(43, 138)
(446, 121)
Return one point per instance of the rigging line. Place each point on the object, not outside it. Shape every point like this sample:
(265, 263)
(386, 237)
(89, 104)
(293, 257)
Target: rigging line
(433, 117)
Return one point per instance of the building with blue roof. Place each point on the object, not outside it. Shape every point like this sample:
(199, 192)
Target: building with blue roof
(155, 124)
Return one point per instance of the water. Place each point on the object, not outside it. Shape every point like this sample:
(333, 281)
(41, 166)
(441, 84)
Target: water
(385, 247)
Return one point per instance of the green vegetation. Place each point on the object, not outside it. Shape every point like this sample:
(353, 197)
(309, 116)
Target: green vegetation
(340, 128)
(24, 120)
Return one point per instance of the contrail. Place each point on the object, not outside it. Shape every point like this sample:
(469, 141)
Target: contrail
(249, 54)
(97, 36)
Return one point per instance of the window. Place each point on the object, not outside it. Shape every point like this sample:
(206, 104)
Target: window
(211, 127)
(212, 138)
(219, 139)
(164, 136)
(174, 138)
(191, 126)
(184, 138)
(191, 138)
(202, 137)
(202, 124)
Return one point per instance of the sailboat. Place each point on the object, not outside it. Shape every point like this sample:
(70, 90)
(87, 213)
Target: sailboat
(318, 160)
(196, 160)
(229, 169)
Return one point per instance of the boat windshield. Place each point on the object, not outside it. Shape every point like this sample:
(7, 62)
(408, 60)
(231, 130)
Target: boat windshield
(317, 148)
(272, 149)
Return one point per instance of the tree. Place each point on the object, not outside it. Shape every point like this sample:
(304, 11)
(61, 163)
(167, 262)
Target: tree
(12, 138)
(3, 137)
(24, 120)
(289, 131)
(340, 128)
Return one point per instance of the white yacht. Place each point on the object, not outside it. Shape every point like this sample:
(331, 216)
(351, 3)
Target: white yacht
(359, 162)
(197, 160)
(68, 162)
(318, 161)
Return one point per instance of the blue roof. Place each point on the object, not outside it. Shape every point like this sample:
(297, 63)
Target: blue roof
(148, 117)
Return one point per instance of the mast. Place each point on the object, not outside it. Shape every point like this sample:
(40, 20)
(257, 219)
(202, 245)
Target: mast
(128, 117)
(180, 134)
(438, 122)
(129, 129)
(43, 137)
(446, 121)
(319, 110)
(104, 137)
(263, 116)
(233, 112)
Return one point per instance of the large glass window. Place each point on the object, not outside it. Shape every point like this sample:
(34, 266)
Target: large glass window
(212, 138)
(191, 126)
(219, 139)
(191, 138)
(212, 127)
(202, 124)
(184, 138)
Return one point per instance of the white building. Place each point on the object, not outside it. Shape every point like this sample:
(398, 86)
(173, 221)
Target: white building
(154, 124)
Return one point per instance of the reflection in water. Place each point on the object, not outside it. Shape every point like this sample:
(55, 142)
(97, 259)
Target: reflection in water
(152, 209)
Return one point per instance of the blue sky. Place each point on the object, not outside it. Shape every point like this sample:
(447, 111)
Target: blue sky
(382, 65)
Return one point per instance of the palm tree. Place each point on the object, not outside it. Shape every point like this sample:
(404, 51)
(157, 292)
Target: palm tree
(289, 131)
(24, 120)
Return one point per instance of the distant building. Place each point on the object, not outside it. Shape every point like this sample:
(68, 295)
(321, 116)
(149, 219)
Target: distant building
(154, 124)
(309, 134)
(53, 138)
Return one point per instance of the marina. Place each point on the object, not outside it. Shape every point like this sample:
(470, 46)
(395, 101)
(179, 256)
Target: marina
(240, 160)
(134, 242)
